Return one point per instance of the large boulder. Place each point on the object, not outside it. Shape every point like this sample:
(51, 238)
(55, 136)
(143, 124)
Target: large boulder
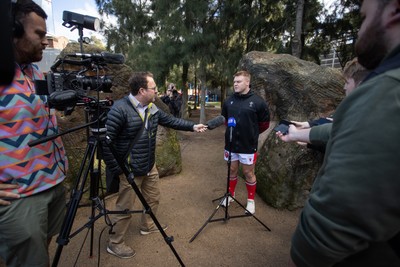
(168, 155)
(296, 90)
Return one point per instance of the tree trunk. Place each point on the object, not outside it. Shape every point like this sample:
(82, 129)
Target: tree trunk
(203, 92)
(184, 106)
(223, 92)
(296, 42)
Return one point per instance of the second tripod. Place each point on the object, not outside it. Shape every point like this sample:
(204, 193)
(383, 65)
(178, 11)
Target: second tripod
(227, 197)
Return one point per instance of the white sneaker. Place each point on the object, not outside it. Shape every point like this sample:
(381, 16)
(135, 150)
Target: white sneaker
(154, 229)
(223, 201)
(121, 250)
(251, 206)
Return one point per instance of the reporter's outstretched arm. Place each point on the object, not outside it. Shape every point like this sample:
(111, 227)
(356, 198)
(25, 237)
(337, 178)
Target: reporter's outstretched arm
(320, 134)
(295, 135)
(5, 194)
(301, 124)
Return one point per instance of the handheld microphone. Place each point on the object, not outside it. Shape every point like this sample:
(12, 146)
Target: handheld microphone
(103, 57)
(215, 122)
(231, 122)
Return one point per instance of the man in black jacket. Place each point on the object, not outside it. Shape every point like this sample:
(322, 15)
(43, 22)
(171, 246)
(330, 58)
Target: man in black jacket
(251, 114)
(131, 116)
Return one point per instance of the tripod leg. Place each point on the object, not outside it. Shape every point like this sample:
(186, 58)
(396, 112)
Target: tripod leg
(146, 206)
(148, 210)
(94, 192)
(249, 214)
(63, 237)
(225, 201)
(208, 220)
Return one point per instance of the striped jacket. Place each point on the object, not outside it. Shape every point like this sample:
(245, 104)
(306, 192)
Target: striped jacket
(24, 117)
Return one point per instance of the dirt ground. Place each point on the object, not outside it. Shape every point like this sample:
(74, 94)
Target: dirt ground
(186, 205)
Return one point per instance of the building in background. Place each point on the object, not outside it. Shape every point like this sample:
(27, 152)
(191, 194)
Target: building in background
(331, 60)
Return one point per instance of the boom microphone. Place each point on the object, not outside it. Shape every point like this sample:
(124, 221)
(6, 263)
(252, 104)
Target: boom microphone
(103, 57)
(216, 122)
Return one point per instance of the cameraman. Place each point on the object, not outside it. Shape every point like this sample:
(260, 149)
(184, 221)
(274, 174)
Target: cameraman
(32, 198)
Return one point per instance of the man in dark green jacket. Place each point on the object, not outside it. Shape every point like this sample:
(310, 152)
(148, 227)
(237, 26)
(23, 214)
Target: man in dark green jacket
(352, 217)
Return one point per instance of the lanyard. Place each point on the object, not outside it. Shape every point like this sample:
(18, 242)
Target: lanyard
(141, 110)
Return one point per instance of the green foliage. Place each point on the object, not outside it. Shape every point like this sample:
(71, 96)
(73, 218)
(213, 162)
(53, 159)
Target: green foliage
(170, 36)
(97, 42)
(341, 27)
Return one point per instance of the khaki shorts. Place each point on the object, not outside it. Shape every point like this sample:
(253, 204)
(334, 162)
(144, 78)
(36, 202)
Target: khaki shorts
(27, 224)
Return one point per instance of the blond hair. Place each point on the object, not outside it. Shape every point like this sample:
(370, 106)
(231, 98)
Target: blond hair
(242, 73)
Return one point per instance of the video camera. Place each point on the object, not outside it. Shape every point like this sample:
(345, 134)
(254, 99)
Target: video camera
(67, 85)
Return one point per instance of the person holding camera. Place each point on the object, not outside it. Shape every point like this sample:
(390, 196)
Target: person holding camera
(251, 113)
(166, 98)
(175, 103)
(132, 124)
(32, 198)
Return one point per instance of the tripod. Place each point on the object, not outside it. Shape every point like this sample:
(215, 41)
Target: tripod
(147, 208)
(225, 198)
(86, 168)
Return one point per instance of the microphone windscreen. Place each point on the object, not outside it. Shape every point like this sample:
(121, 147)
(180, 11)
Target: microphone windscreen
(231, 122)
(215, 122)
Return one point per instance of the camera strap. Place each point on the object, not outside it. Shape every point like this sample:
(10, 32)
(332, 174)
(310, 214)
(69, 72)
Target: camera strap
(112, 180)
(138, 135)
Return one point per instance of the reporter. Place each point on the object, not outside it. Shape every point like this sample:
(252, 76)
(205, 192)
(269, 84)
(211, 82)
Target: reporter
(132, 125)
(352, 216)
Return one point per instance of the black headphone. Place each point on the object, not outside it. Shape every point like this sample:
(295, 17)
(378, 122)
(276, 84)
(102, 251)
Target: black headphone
(18, 28)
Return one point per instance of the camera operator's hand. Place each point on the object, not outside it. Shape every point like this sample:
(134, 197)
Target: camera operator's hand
(200, 128)
(295, 135)
(4, 194)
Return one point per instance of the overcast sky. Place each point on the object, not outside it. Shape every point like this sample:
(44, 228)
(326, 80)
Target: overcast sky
(85, 7)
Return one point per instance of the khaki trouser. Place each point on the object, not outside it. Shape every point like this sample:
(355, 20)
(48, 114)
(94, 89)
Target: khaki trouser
(149, 187)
